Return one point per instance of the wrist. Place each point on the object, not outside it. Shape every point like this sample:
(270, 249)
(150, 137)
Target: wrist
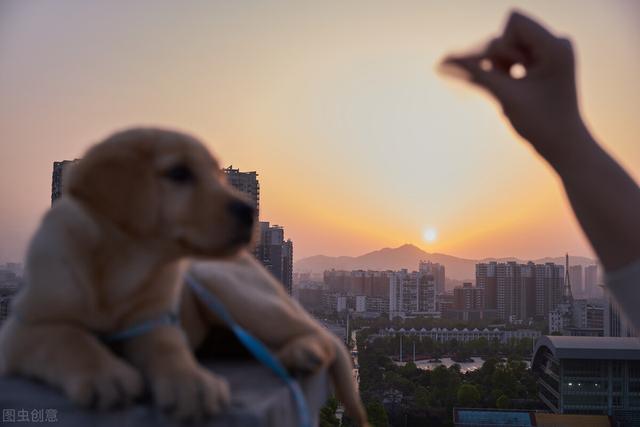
(568, 147)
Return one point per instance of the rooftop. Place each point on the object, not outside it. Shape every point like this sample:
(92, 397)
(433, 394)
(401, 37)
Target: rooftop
(483, 417)
(567, 347)
(524, 418)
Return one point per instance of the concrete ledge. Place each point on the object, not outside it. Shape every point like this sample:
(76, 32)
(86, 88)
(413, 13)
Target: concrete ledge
(259, 399)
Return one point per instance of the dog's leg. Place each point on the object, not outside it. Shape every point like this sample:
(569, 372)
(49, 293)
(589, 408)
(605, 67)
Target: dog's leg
(71, 359)
(302, 352)
(259, 304)
(306, 354)
(179, 384)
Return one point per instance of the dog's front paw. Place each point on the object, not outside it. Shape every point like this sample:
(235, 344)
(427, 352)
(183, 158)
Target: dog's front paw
(190, 393)
(108, 386)
(306, 354)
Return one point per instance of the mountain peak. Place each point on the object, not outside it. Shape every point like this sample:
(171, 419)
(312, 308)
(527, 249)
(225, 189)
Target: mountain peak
(409, 246)
(404, 250)
(408, 256)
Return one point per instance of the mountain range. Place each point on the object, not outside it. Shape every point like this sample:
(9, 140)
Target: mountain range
(408, 256)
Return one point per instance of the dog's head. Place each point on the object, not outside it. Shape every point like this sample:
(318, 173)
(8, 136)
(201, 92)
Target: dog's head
(163, 185)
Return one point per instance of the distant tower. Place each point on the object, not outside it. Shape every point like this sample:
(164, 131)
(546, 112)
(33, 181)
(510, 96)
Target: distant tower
(564, 310)
(567, 295)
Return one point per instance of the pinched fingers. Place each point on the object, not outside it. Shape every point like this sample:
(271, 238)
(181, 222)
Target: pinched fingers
(503, 56)
(478, 69)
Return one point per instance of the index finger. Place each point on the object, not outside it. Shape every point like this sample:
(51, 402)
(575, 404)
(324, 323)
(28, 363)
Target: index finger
(524, 31)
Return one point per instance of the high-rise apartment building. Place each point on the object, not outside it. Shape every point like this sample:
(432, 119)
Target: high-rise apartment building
(272, 250)
(550, 282)
(412, 294)
(245, 182)
(59, 169)
(520, 291)
(486, 279)
(358, 282)
(468, 297)
(577, 283)
(276, 253)
(510, 295)
(591, 280)
(438, 272)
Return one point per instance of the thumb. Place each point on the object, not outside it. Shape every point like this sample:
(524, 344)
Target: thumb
(488, 78)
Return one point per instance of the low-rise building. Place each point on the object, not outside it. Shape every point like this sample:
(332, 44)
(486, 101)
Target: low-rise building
(463, 335)
(10, 283)
(470, 315)
(590, 375)
(477, 417)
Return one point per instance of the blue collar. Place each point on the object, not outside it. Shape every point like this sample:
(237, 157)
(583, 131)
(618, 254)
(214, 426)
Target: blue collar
(170, 318)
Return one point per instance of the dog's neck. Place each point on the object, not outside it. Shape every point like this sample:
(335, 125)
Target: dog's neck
(143, 275)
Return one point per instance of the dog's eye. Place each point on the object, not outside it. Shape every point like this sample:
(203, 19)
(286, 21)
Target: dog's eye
(180, 174)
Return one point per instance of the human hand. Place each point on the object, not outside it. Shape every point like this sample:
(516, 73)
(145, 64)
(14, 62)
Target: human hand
(542, 106)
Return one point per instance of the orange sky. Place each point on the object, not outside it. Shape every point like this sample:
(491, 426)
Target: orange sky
(358, 142)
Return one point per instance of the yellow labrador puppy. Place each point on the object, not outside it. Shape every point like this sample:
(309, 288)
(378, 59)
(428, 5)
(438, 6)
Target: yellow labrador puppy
(112, 253)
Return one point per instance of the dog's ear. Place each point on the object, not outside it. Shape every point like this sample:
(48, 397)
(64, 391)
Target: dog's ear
(118, 182)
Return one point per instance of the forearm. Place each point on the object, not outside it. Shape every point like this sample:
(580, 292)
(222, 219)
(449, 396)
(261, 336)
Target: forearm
(605, 199)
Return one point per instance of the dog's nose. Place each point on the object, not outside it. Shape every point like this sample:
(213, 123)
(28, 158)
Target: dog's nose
(243, 212)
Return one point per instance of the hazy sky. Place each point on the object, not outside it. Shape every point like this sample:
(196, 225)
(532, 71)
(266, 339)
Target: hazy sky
(358, 142)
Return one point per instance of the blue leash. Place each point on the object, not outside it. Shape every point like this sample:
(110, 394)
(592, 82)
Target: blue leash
(256, 347)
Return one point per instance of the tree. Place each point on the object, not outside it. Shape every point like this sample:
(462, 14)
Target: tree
(468, 395)
(422, 398)
(377, 415)
(409, 370)
(503, 402)
(328, 414)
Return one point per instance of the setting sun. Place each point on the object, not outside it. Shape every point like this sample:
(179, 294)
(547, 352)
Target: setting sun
(430, 235)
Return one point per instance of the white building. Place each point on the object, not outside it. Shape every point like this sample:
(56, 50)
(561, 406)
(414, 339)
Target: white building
(560, 319)
(341, 304)
(588, 313)
(412, 294)
(463, 335)
(438, 272)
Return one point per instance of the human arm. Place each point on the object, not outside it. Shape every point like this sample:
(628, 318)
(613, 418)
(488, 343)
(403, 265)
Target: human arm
(543, 108)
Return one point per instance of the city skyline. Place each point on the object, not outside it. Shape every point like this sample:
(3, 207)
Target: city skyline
(359, 143)
(527, 295)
